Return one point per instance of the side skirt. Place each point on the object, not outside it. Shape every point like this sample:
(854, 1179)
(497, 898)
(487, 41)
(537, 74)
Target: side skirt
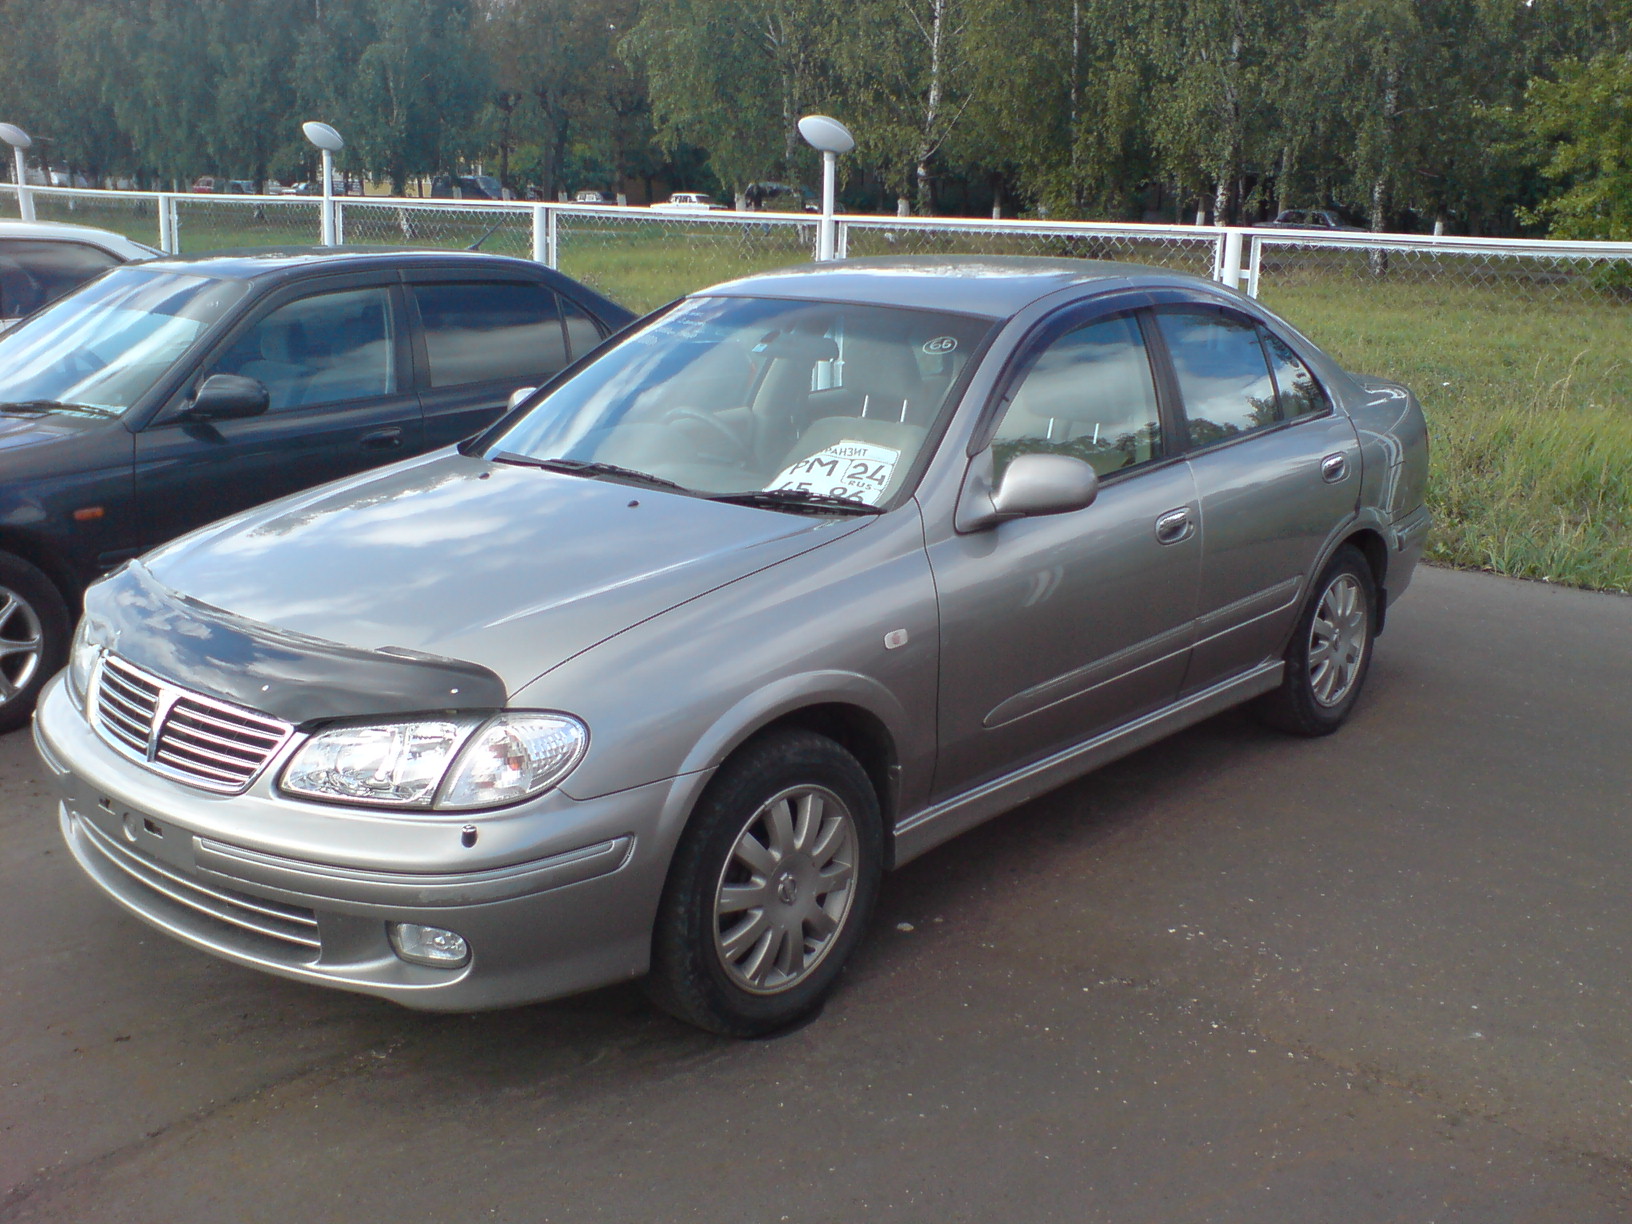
(924, 830)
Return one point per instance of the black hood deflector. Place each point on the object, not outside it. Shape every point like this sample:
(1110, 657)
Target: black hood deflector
(299, 679)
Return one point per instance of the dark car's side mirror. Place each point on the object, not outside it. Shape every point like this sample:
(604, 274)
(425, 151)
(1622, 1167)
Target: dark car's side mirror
(228, 397)
(1032, 485)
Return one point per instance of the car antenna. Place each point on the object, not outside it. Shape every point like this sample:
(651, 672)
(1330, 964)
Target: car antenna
(491, 230)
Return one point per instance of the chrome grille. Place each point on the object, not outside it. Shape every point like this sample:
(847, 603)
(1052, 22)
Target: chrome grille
(292, 929)
(182, 734)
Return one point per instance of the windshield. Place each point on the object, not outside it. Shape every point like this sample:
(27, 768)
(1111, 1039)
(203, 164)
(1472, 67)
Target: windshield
(105, 346)
(728, 395)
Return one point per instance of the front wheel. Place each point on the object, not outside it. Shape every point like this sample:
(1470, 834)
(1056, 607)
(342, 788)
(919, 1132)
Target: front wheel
(1330, 651)
(34, 629)
(770, 888)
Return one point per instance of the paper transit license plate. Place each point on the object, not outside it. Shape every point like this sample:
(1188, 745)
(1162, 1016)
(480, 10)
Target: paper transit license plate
(858, 470)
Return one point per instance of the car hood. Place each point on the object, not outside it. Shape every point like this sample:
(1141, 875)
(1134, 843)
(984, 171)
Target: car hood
(512, 568)
(20, 428)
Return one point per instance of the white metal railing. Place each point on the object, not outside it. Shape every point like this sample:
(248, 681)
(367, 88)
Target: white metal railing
(551, 233)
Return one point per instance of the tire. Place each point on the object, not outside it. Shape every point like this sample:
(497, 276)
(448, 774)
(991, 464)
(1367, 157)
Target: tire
(34, 629)
(1330, 651)
(770, 889)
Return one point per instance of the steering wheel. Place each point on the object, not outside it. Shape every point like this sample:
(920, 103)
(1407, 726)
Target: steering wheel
(743, 451)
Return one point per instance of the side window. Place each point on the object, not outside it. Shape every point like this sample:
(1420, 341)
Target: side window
(583, 333)
(34, 272)
(1222, 374)
(1090, 395)
(319, 350)
(499, 330)
(1298, 392)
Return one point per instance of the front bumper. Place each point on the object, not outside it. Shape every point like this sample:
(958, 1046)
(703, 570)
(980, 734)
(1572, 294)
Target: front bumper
(561, 897)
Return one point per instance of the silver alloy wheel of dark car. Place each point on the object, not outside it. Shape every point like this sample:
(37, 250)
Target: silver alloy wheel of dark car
(22, 643)
(786, 889)
(1338, 637)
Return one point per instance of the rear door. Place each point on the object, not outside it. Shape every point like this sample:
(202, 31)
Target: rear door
(481, 337)
(334, 359)
(1277, 471)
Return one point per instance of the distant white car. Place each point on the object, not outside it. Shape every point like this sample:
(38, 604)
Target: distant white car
(41, 260)
(689, 201)
(592, 197)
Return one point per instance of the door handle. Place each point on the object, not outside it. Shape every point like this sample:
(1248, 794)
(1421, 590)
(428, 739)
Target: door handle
(1334, 468)
(382, 439)
(1174, 526)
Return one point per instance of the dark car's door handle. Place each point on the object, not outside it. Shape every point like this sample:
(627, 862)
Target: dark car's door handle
(382, 439)
(1334, 468)
(1174, 526)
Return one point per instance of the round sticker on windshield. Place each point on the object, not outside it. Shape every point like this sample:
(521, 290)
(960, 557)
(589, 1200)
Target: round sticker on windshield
(941, 344)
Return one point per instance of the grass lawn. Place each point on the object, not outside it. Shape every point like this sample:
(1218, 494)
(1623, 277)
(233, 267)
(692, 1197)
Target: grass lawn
(1525, 374)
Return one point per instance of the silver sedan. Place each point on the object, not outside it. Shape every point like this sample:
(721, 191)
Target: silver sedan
(800, 578)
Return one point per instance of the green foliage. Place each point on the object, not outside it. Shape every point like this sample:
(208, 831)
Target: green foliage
(1584, 120)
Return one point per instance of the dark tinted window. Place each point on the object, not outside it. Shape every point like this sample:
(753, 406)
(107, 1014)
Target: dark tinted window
(583, 333)
(1089, 394)
(320, 350)
(1222, 374)
(34, 272)
(499, 330)
(1300, 394)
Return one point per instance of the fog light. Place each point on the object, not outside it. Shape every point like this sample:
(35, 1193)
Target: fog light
(427, 945)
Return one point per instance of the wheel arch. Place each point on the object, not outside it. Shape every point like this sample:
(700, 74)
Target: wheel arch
(1371, 545)
(27, 548)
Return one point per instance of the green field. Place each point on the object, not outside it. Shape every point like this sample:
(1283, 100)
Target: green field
(1526, 375)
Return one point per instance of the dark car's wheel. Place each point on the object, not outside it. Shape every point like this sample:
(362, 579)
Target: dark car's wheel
(1330, 651)
(34, 628)
(770, 888)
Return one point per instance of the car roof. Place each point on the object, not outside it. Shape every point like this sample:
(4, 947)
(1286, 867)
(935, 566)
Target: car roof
(278, 262)
(996, 286)
(58, 231)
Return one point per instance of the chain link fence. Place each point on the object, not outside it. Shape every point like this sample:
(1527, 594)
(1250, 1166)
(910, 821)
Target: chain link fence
(1180, 248)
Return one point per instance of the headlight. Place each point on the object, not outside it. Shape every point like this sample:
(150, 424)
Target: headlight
(456, 763)
(82, 657)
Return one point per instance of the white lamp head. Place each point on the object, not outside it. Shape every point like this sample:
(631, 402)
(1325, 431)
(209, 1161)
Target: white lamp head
(323, 136)
(15, 136)
(826, 135)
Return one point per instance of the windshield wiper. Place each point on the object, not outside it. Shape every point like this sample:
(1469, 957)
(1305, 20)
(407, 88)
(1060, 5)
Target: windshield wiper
(43, 406)
(797, 499)
(587, 467)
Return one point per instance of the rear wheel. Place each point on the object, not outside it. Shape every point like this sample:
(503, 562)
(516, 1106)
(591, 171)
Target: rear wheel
(1330, 651)
(34, 628)
(770, 888)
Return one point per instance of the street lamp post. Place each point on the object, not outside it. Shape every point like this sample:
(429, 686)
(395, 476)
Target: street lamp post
(829, 137)
(20, 140)
(328, 140)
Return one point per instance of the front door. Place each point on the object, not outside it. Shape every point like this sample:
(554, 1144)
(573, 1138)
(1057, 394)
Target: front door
(1056, 628)
(334, 364)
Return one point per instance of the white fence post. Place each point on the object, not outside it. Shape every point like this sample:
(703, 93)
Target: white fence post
(541, 235)
(552, 237)
(25, 193)
(167, 237)
(339, 223)
(1255, 266)
(1228, 271)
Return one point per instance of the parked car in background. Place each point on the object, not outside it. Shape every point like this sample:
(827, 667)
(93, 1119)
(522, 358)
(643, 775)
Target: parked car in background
(466, 187)
(203, 184)
(168, 394)
(687, 201)
(1308, 218)
(797, 580)
(240, 187)
(592, 197)
(781, 197)
(42, 260)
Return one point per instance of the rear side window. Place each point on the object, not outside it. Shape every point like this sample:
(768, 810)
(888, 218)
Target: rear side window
(1298, 392)
(481, 332)
(1223, 375)
(34, 272)
(583, 333)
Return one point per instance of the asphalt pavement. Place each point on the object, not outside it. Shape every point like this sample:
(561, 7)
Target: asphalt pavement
(1236, 977)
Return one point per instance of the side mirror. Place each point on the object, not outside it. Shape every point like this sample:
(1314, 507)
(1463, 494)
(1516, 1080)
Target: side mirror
(227, 397)
(1032, 485)
(517, 396)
